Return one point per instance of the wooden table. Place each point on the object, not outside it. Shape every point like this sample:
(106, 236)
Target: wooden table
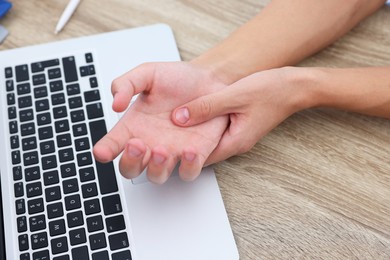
(317, 186)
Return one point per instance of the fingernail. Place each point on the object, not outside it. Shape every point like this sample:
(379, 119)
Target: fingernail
(158, 158)
(182, 115)
(188, 156)
(133, 151)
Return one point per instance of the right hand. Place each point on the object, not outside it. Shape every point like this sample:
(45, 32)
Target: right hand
(146, 134)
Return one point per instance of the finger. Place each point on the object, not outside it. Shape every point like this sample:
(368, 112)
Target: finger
(112, 144)
(130, 84)
(161, 165)
(134, 158)
(191, 165)
(204, 108)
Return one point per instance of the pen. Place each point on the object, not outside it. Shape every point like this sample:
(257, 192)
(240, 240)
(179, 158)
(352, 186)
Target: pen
(69, 10)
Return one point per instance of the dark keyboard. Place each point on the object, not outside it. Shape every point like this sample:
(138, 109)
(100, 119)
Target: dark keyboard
(68, 205)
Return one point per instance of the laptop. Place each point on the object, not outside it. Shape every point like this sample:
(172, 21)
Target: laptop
(57, 201)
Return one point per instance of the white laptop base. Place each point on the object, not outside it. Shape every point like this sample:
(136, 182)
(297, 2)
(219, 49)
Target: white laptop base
(177, 220)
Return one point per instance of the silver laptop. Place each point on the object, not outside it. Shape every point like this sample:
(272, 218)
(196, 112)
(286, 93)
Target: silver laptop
(57, 201)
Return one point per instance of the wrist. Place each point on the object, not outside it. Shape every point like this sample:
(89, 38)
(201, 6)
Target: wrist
(304, 87)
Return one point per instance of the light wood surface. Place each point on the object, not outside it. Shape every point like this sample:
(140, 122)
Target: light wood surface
(317, 186)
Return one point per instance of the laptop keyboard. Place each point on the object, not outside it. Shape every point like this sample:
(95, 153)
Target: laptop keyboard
(67, 204)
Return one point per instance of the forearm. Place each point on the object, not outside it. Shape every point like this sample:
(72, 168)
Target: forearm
(362, 90)
(284, 33)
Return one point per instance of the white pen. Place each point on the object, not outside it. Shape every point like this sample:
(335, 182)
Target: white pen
(69, 10)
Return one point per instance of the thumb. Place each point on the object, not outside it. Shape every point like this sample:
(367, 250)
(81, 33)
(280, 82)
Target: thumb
(202, 109)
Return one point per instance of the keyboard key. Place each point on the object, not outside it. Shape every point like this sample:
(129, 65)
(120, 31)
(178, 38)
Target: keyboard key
(27, 129)
(39, 240)
(50, 178)
(39, 79)
(68, 170)
(34, 189)
(17, 173)
(75, 219)
(24, 101)
(23, 242)
(77, 116)
(107, 178)
(44, 119)
(8, 72)
(14, 142)
(116, 223)
(53, 194)
(26, 115)
(61, 126)
(23, 88)
(49, 162)
(42, 105)
(118, 241)
(35, 206)
(15, 156)
(11, 113)
(47, 147)
(97, 241)
(92, 206)
(65, 155)
(59, 245)
(70, 69)
(57, 227)
(89, 190)
(37, 223)
(62, 257)
(125, 255)
(93, 82)
(84, 159)
(98, 130)
(32, 173)
(70, 186)
(102, 255)
(60, 112)
(75, 102)
(54, 73)
(55, 210)
(22, 224)
(18, 189)
(9, 85)
(29, 143)
(81, 144)
(77, 236)
(13, 127)
(64, 140)
(112, 204)
(11, 99)
(92, 95)
(45, 132)
(88, 57)
(73, 89)
(21, 73)
(95, 223)
(80, 129)
(25, 256)
(40, 66)
(80, 253)
(94, 110)
(72, 202)
(40, 92)
(87, 174)
(30, 158)
(20, 206)
(57, 99)
(42, 255)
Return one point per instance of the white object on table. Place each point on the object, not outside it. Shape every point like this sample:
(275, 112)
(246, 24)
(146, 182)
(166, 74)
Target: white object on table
(69, 10)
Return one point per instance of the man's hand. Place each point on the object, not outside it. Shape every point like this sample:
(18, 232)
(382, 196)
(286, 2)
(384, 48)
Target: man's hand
(146, 134)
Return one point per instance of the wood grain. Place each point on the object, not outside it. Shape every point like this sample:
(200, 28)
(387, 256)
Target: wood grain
(318, 185)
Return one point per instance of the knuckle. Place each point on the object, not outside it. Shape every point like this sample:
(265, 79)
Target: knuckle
(206, 108)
